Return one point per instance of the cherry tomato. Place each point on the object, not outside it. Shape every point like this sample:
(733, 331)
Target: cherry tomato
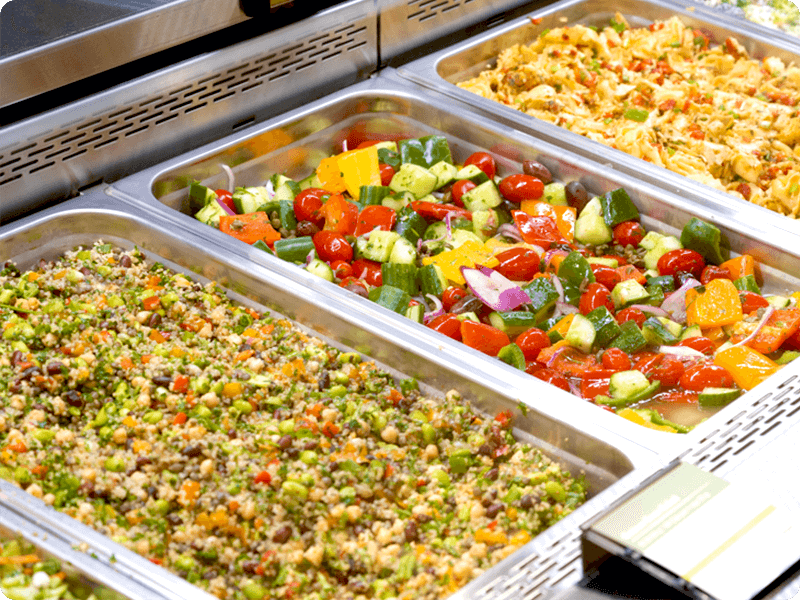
(355, 285)
(532, 367)
(552, 377)
(621, 260)
(332, 246)
(699, 377)
(628, 232)
(461, 187)
(700, 343)
(595, 296)
(482, 337)
(518, 264)
(448, 324)
(369, 271)
(307, 204)
(519, 187)
(681, 260)
(631, 314)
(387, 172)
(341, 269)
(375, 217)
(714, 272)
(616, 359)
(531, 342)
(452, 295)
(594, 383)
(484, 161)
(226, 198)
(606, 275)
(661, 368)
(752, 301)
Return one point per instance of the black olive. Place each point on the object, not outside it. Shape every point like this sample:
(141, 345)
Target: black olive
(282, 535)
(577, 195)
(494, 510)
(538, 170)
(162, 380)
(125, 261)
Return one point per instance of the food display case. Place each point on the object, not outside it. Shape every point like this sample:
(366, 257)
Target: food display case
(119, 162)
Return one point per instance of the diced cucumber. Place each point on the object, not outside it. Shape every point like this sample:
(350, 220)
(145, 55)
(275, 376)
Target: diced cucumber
(627, 384)
(248, 199)
(312, 181)
(379, 245)
(415, 313)
(415, 179)
(650, 240)
(372, 194)
(398, 202)
(512, 355)
(593, 207)
(602, 260)
(513, 322)
(575, 270)
(432, 280)
(468, 316)
(410, 224)
(714, 396)
(390, 297)
(630, 338)
(778, 301)
(605, 326)
(401, 275)
(665, 282)
(285, 192)
(555, 193)
(484, 196)
(628, 292)
(661, 247)
(294, 250)
(543, 295)
(591, 229)
(485, 223)
(392, 146)
(210, 214)
(473, 173)
(618, 207)
(199, 196)
(461, 236)
(656, 297)
(581, 333)
(692, 331)
(445, 173)
(655, 332)
(403, 252)
(320, 269)
(787, 357)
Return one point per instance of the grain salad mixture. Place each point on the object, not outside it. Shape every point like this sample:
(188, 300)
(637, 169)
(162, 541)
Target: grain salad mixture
(664, 94)
(244, 455)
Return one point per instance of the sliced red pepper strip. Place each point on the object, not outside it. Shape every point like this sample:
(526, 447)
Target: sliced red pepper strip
(539, 230)
(371, 217)
(432, 210)
(249, 227)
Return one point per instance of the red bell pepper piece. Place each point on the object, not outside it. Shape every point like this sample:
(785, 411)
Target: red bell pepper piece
(381, 217)
(539, 230)
(339, 214)
(432, 210)
(249, 227)
(483, 337)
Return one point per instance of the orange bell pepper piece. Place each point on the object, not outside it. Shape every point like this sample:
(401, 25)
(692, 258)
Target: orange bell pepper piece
(329, 175)
(781, 325)
(249, 227)
(340, 215)
(564, 216)
(748, 367)
(740, 266)
(359, 167)
(630, 272)
(562, 326)
(717, 305)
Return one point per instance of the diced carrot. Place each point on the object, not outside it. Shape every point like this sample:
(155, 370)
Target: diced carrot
(243, 355)
(157, 336)
(740, 266)
(151, 302)
(129, 421)
(146, 358)
(179, 419)
(231, 389)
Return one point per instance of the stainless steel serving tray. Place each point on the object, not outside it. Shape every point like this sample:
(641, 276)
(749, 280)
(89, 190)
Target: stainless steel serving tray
(611, 463)
(442, 70)
(390, 106)
(82, 564)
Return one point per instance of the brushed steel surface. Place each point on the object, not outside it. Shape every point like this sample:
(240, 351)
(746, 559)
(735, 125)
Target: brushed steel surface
(441, 70)
(76, 553)
(78, 39)
(391, 106)
(127, 128)
(611, 463)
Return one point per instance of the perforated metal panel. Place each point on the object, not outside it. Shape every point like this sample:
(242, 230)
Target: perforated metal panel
(149, 120)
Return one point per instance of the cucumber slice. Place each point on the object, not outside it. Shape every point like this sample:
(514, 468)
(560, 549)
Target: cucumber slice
(210, 214)
(320, 269)
(379, 245)
(581, 333)
(605, 326)
(543, 297)
(401, 276)
(512, 355)
(630, 338)
(555, 193)
(692, 331)
(778, 301)
(390, 297)
(415, 179)
(473, 173)
(655, 332)
(713, 396)
(618, 207)
(661, 247)
(513, 322)
(627, 384)
(482, 197)
(706, 239)
(415, 313)
(432, 280)
(591, 229)
(445, 173)
(403, 252)
(199, 196)
(628, 292)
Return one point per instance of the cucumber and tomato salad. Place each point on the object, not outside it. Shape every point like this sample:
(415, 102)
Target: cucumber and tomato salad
(662, 330)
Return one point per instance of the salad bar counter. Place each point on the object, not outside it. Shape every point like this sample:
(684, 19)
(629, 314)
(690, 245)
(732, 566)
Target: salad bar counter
(389, 341)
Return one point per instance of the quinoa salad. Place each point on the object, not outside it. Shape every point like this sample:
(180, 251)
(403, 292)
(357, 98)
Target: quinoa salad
(243, 454)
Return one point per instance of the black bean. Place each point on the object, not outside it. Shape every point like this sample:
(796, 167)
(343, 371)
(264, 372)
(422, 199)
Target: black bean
(485, 450)
(411, 532)
(16, 357)
(527, 501)
(285, 442)
(54, 368)
(577, 195)
(293, 452)
(162, 380)
(250, 566)
(86, 271)
(538, 170)
(209, 575)
(494, 510)
(30, 372)
(154, 320)
(310, 445)
(174, 519)
(73, 398)
(282, 535)
(192, 451)
(492, 474)
(323, 380)
(423, 518)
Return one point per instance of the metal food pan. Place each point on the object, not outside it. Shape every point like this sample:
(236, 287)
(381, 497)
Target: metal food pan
(610, 463)
(442, 70)
(82, 569)
(392, 107)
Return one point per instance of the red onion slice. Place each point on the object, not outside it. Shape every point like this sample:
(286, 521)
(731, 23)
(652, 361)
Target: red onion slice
(510, 231)
(681, 351)
(229, 174)
(767, 314)
(675, 305)
(225, 207)
(555, 355)
(438, 309)
(654, 310)
(565, 309)
(494, 290)
(559, 287)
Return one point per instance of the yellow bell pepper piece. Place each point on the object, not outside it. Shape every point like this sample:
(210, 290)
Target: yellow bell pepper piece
(634, 417)
(329, 175)
(748, 367)
(359, 167)
(496, 246)
(468, 254)
(718, 305)
(564, 216)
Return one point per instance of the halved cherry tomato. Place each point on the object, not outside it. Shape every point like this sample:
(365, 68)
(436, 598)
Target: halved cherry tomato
(594, 383)
(355, 285)
(519, 187)
(369, 271)
(226, 198)
(714, 272)
(606, 275)
(367, 144)
(553, 378)
(595, 296)
(531, 342)
(631, 314)
(339, 214)
(452, 295)
(307, 204)
(461, 187)
(483, 337)
(661, 368)
(375, 216)
(341, 269)
(438, 212)
(518, 264)
(700, 343)
(448, 324)
(681, 260)
(263, 477)
(616, 359)
(484, 161)
(628, 233)
(538, 230)
(752, 301)
(699, 377)
(332, 246)
(387, 172)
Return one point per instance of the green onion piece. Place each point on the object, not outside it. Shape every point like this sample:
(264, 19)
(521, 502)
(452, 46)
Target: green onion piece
(636, 114)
